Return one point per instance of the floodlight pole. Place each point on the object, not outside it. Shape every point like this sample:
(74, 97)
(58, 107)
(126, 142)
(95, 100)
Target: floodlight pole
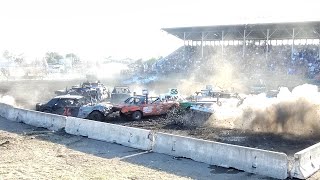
(222, 39)
(201, 44)
(244, 43)
(318, 43)
(267, 44)
(292, 43)
(184, 45)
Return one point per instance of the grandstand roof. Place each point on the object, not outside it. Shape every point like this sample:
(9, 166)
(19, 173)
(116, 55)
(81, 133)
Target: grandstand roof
(277, 31)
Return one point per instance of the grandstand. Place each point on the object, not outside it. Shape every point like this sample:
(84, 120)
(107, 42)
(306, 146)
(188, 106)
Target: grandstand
(290, 47)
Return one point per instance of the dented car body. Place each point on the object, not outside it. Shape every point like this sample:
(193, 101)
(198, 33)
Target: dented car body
(137, 107)
(95, 112)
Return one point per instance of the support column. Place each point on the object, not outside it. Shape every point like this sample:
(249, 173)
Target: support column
(292, 47)
(201, 44)
(184, 46)
(244, 43)
(267, 44)
(319, 48)
(222, 39)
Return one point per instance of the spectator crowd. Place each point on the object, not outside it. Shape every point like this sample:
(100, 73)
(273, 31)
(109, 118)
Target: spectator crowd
(304, 60)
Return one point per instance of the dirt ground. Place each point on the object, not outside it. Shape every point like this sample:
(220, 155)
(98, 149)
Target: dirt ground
(288, 144)
(36, 153)
(27, 93)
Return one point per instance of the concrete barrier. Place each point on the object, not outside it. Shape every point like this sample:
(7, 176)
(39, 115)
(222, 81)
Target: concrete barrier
(127, 136)
(6, 110)
(40, 119)
(267, 163)
(34, 118)
(77, 126)
(306, 162)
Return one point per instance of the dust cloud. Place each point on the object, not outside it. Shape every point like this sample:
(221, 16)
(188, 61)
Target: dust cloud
(290, 112)
(8, 100)
(294, 112)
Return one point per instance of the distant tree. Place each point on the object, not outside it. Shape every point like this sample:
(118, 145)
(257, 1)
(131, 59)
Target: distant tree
(13, 58)
(18, 60)
(6, 54)
(151, 60)
(53, 57)
(5, 73)
(139, 61)
(75, 59)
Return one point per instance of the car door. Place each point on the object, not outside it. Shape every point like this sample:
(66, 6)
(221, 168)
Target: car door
(157, 106)
(146, 107)
(58, 108)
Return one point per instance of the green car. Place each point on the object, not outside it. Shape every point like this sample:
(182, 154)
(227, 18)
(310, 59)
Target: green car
(186, 104)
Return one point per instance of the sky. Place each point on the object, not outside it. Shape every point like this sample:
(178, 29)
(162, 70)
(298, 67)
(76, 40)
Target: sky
(96, 29)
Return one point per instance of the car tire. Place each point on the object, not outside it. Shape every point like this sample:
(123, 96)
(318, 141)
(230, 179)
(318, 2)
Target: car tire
(96, 116)
(137, 115)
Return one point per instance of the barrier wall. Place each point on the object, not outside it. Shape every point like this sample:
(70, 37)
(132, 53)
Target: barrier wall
(127, 136)
(268, 163)
(307, 162)
(34, 118)
(40, 119)
(6, 110)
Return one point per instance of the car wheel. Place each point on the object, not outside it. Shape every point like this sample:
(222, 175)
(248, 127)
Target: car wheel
(137, 115)
(96, 115)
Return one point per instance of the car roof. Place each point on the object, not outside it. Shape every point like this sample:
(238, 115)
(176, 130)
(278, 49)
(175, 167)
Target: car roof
(68, 96)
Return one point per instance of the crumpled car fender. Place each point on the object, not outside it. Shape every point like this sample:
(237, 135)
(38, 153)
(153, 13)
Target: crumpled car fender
(84, 111)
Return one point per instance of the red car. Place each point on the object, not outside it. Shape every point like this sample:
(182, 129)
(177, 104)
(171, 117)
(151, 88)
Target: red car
(137, 107)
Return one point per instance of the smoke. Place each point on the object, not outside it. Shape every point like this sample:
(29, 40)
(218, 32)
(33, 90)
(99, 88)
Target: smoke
(7, 100)
(296, 112)
(106, 71)
(291, 112)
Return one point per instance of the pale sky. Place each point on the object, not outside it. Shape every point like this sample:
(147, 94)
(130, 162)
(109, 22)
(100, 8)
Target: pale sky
(95, 29)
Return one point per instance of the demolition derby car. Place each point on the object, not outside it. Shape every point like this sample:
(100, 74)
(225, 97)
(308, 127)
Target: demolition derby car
(96, 112)
(207, 98)
(94, 90)
(136, 107)
(119, 94)
(58, 104)
(76, 106)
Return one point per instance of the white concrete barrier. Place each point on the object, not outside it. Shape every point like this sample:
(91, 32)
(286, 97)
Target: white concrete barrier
(40, 119)
(306, 162)
(272, 164)
(6, 110)
(127, 136)
(35, 118)
(77, 126)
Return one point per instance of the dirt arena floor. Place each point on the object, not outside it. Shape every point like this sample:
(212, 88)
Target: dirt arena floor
(288, 144)
(27, 93)
(28, 152)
